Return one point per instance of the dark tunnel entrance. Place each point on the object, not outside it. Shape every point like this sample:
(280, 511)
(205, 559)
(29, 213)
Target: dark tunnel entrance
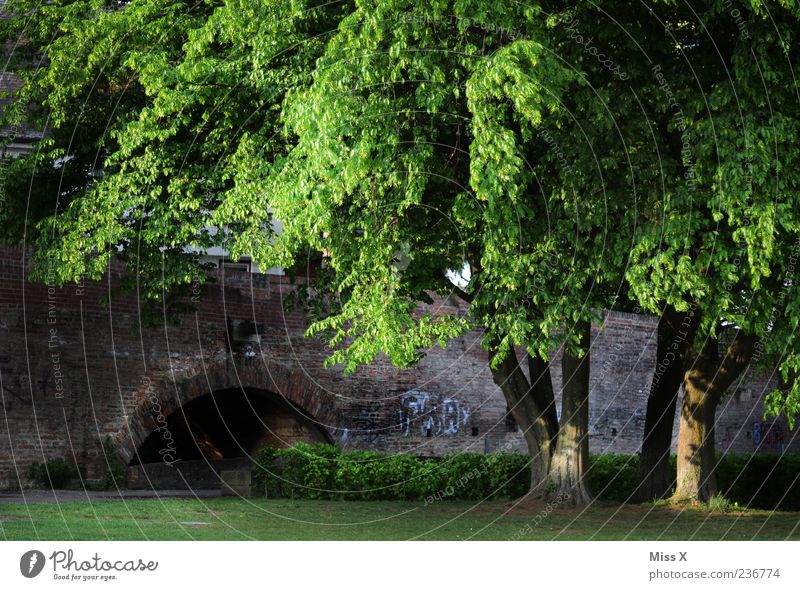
(228, 424)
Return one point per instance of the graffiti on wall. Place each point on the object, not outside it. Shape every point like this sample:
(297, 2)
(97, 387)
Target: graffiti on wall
(770, 437)
(432, 413)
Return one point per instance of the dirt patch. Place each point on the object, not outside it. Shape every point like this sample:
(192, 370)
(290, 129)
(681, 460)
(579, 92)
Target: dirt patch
(7, 518)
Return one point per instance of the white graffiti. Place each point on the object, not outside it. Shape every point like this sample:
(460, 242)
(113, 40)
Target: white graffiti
(433, 414)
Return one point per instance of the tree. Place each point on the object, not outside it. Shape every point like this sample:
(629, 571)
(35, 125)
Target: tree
(729, 229)
(491, 151)
(149, 106)
(446, 168)
(676, 333)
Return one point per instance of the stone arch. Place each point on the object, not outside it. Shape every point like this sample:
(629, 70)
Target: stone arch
(159, 396)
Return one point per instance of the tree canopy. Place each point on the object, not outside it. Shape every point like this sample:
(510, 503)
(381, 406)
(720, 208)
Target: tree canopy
(541, 161)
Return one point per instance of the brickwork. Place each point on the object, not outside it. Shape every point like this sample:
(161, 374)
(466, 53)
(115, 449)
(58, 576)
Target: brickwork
(74, 373)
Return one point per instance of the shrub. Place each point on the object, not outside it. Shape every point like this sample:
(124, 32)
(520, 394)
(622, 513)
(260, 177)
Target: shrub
(470, 475)
(325, 471)
(754, 481)
(114, 476)
(613, 477)
(510, 474)
(309, 471)
(265, 475)
(365, 475)
(425, 479)
(54, 474)
(721, 504)
(399, 477)
(767, 481)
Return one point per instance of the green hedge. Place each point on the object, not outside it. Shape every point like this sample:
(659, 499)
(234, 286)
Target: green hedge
(327, 472)
(761, 481)
(613, 477)
(767, 481)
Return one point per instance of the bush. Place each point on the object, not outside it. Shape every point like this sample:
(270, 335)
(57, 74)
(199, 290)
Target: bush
(767, 481)
(613, 477)
(511, 474)
(265, 473)
(54, 474)
(114, 476)
(424, 477)
(303, 471)
(324, 471)
(370, 475)
(469, 475)
(770, 482)
(721, 504)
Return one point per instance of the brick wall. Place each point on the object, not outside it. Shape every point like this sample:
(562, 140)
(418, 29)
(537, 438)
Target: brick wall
(75, 373)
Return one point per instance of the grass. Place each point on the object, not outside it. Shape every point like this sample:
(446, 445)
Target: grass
(239, 519)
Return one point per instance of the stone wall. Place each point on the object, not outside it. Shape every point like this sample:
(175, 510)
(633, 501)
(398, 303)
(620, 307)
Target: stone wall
(74, 374)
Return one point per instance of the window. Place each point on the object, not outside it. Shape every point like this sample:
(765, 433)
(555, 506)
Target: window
(241, 265)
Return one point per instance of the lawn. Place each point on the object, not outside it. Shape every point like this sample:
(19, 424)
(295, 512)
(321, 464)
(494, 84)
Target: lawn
(240, 519)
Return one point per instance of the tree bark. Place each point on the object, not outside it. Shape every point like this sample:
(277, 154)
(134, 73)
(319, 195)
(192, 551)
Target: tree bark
(567, 481)
(696, 481)
(529, 416)
(543, 395)
(704, 384)
(676, 331)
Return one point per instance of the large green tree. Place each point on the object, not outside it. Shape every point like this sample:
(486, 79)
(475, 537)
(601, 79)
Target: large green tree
(366, 130)
(149, 109)
(720, 259)
(526, 157)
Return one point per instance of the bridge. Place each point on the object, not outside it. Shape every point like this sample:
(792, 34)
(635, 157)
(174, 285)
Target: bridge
(93, 385)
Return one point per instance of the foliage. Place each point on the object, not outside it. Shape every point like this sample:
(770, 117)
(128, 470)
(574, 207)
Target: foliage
(767, 481)
(720, 503)
(53, 474)
(150, 107)
(216, 121)
(114, 476)
(326, 472)
(725, 236)
(557, 184)
(200, 126)
(378, 476)
(509, 475)
(265, 475)
(471, 466)
(309, 471)
(764, 481)
(613, 477)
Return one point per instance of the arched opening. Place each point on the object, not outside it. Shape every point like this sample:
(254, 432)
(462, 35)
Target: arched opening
(227, 424)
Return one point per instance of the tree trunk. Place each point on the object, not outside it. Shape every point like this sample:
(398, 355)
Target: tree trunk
(543, 395)
(676, 332)
(705, 382)
(696, 479)
(529, 416)
(567, 481)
